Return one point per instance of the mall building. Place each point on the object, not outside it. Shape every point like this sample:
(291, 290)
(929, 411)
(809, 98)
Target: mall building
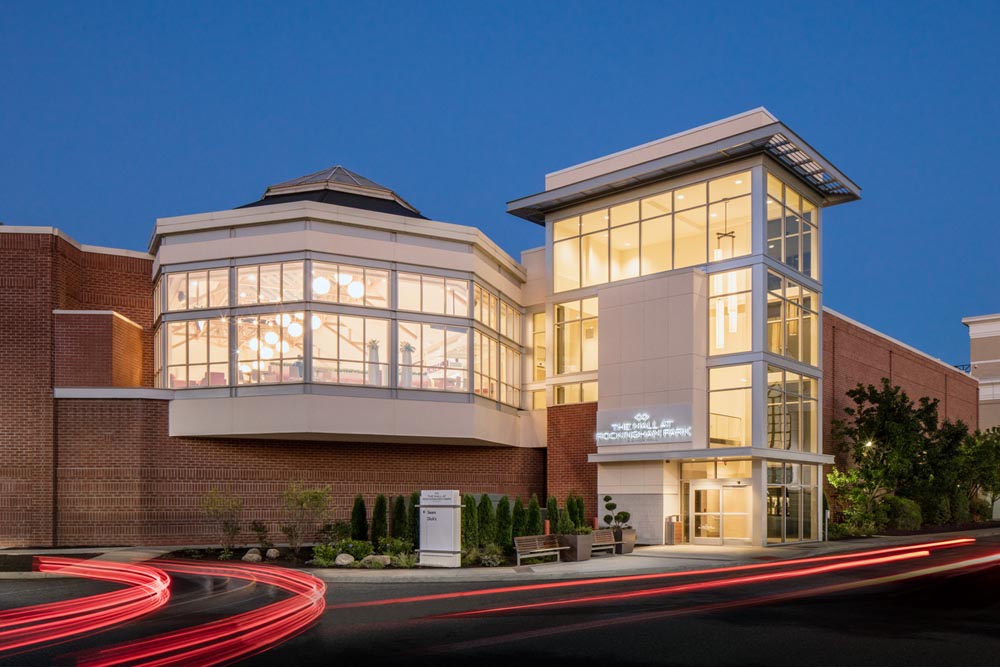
(667, 346)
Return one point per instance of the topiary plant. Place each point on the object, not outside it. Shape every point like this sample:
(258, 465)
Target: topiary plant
(487, 521)
(533, 522)
(380, 519)
(615, 519)
(359, 519)
(518, 519)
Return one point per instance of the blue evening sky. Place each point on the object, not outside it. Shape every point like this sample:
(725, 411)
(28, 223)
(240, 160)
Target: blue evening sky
(114, 113)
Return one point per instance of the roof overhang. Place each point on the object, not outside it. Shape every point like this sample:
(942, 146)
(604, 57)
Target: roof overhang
(774, 139)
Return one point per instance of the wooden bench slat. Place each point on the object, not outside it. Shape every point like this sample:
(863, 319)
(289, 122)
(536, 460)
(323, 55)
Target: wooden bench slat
(537, 545)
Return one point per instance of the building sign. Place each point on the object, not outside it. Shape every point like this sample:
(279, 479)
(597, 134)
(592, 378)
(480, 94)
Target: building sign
(441, 528)
(635, 426)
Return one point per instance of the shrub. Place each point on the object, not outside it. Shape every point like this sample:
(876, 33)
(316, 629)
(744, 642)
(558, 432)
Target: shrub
(223, 509)
(564, 526)
(373, 565)
(405, 561)
(504, 534)
(359, 519)
(324, 555)
(380, 519)
(413, 519)
(936, 511)
(533, 522)
(332, 532)
(470, 523)
(260, 530)
(357, 548)
(901, 513)
(960, 507)
(552, 513)
(487, 521)
(980, 509)
(518, 519)
(302, 509)
(574, 505)
(391, 546)
(615, 519)
(398, 527)
(470, 557)
(492, 555)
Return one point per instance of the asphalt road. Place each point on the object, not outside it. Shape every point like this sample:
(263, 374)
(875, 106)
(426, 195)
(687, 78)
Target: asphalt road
(829, 612)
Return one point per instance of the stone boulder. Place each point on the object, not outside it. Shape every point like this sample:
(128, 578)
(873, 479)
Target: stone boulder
(273, 554)
(375, 558)
(253, 550)
(252, 557)
(343, 560)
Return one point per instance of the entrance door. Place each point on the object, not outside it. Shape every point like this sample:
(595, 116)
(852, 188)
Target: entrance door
(720, 512)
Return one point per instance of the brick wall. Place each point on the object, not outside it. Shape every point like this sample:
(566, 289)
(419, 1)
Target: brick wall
(28, 275)
(853, 354)
(97, 349)
(570, 438)
(122, 480)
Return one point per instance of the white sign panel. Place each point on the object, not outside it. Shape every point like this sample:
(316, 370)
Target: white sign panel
(638, 426)
(441, 528)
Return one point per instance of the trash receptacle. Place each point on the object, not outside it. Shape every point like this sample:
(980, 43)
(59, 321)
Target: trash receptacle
(673, 530)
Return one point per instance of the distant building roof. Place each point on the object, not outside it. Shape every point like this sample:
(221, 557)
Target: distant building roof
(341, 187)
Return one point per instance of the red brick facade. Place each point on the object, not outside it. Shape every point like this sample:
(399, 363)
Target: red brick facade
(97, 349)
(570, 438)
(122, 480)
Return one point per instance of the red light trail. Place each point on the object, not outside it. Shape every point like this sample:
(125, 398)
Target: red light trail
(148, 590)
(963, 541)
(230, 638)
(701, 585)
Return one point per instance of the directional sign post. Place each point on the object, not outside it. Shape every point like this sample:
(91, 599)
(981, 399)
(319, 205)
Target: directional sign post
(440, 528)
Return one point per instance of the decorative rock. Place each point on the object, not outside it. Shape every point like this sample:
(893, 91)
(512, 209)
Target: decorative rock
(273, 554)
(253, 550)
(344, 559)
(385, 560)
(252, 558)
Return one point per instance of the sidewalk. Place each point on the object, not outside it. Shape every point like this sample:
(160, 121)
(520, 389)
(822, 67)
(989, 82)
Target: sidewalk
(644, 560)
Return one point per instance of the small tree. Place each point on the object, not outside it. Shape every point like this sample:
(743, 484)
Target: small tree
(552, 513)
(518, 519)
(470, 523)
(303, 509)
(533, 523)
(504, 537)
(980, 464)
(615, 519)
(398, 527)
(223, 509)
(260, 530)
(380, 519)
(564, 525)
(359, 519)
(487, 521)
(413, 520)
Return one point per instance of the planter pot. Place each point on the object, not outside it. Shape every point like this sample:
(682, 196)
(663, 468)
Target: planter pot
(626, 538)
(579, 547)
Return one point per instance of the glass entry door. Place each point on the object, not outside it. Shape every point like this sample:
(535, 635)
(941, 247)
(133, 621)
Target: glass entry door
(720, 512)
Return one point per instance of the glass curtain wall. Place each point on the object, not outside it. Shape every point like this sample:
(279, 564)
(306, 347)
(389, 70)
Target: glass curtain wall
(792, 502)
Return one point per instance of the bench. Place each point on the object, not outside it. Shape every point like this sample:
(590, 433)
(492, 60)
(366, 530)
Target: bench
(604, 540)
(532, 546)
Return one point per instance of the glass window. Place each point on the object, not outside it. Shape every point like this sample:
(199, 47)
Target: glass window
(433, 294)
(657, 247)
(564, 229)
(624, 213)
(730, 406)
(729, 312)
(538, 399)
(197, 289)
(510, 376)
(792, 411)
(792, 320)
(689, 197)
(729, 228)
(538, 347)
(510, 321)
(575, 392)
(625, 252)
(485, 307)
(433, 356)
(690, 229)
(576, 336)
(791, 228)
(653, 207)
(353, 285)
(269, 348)
(350, 350)
(594, 264)
(729, 187)
(269, 283)
(566, 265)
(485, 352)
(197, 354)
